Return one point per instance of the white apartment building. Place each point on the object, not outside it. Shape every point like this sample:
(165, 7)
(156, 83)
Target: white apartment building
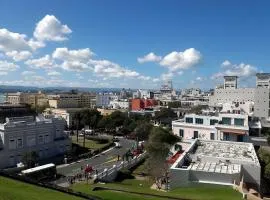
(225, 126)
(143, 94)
(120, 104)
(259, 95)
(26, 134)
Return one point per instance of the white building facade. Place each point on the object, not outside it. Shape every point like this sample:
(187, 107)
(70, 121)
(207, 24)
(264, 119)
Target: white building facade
(25, 134)
(259, 95)
(225, 126)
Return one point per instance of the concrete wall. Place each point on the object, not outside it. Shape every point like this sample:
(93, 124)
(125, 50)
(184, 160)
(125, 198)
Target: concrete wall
(213, 177)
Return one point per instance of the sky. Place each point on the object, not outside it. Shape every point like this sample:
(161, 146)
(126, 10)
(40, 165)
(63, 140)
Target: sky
(133, 44)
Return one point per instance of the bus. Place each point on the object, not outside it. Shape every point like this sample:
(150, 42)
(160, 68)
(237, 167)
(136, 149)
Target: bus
(39, 173)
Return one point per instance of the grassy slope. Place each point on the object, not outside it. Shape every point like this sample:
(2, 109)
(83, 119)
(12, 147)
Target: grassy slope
(91, 144)
(15, 190)
(200, 192)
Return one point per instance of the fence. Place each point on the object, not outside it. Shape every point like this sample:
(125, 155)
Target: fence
(110, 174)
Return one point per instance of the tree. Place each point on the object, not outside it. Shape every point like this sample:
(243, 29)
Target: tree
(174, 104)
(165, 116)
(268, 140)
(267, 171)
(143, 130)
(158, 146)
(91, 118)
(78, 118)
(198, 109)
(30, 159)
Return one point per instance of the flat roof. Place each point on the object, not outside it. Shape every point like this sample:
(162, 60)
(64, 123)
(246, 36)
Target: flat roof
(227, 150)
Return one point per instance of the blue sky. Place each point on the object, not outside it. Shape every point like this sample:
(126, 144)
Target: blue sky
(133, 44)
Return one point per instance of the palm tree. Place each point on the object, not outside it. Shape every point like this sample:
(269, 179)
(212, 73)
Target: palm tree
(78, 119)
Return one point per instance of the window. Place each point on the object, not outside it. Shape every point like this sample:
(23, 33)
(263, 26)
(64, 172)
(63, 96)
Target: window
(212, 136)
(12, 143)
(31, 140)
(195, 134)
(181, 133)
(189, 120)
(47, 139)
(40, 139)
(19, 143)
(199, 121)
(226, 136)
(238, 122)
(213, 121)
(226, 120)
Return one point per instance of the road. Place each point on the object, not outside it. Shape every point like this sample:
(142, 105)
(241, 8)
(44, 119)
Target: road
(100, 162)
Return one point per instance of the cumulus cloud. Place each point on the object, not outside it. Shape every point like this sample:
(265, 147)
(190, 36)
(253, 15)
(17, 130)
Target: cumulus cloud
(181, 60)
(75, 66)
(3, 73)
(53, 73)
(109, 69)
(242, 70)
(44, 62)
(19, 55)
(10, 41)
(8, 66)
(167, 76)
(51, 29)
(81, 55)
(151, 57)
(28, 73)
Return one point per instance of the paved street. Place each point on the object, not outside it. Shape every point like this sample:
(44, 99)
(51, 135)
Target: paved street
(104, 160)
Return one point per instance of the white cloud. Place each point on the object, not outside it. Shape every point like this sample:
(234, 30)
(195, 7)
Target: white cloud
(226, 63)
(51, 29)
(145, 78)
(54, 73)
(19, 55)
(156, 80)
(44, 62)
(167, 76)
(109, 69)
(3, 73)
(8, 66)
(28, 73)
(81, 55)
(79, 76)
(151, 57)
(180, 73)
(181, 60)
(242, 70)
(75, 66)
(199, 78)
(10, 41)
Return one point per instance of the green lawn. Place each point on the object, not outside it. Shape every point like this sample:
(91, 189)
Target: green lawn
(198, 192)
(91, 144)
(15, 190)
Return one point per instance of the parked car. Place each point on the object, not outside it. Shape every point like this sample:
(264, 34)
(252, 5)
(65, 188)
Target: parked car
(117, 145)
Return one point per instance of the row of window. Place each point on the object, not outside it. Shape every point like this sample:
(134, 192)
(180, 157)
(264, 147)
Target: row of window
(17, 143)
(195, 134)
(225, 120)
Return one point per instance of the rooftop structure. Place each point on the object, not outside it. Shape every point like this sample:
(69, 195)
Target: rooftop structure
(230, 82)
(217, 162)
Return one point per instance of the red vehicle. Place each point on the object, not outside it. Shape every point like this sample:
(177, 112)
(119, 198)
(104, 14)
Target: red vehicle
(137, 152)
(88, 169)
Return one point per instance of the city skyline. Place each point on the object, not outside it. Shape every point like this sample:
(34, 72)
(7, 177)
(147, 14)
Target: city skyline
(133, 45)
